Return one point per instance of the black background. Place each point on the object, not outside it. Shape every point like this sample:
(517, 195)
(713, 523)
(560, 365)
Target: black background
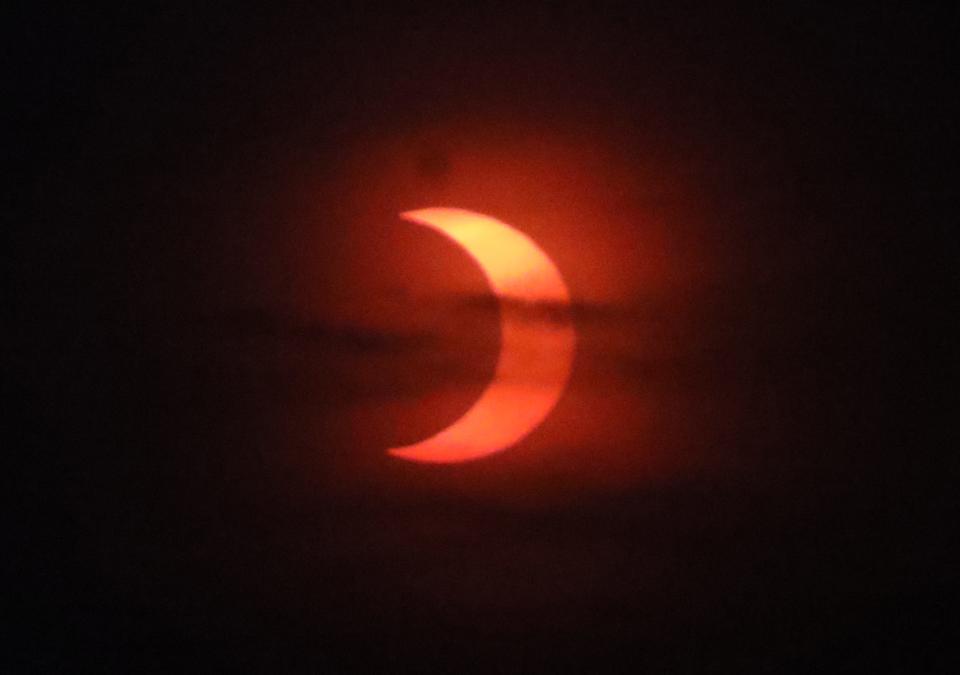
(150, 144)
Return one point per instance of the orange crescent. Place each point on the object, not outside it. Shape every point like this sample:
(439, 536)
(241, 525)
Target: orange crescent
(537, 339)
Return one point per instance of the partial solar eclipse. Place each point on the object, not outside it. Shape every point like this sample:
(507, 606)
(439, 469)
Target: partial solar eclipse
(537, 339)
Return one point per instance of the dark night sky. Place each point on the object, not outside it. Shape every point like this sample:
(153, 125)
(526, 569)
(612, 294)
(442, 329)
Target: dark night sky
(210, 345)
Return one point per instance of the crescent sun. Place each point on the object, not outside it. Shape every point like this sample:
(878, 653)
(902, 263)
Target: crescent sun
(537, 339)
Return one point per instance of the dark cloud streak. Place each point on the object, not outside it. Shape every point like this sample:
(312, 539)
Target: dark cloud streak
(274, 325)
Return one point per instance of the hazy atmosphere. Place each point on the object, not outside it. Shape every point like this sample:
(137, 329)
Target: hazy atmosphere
(220, 324)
